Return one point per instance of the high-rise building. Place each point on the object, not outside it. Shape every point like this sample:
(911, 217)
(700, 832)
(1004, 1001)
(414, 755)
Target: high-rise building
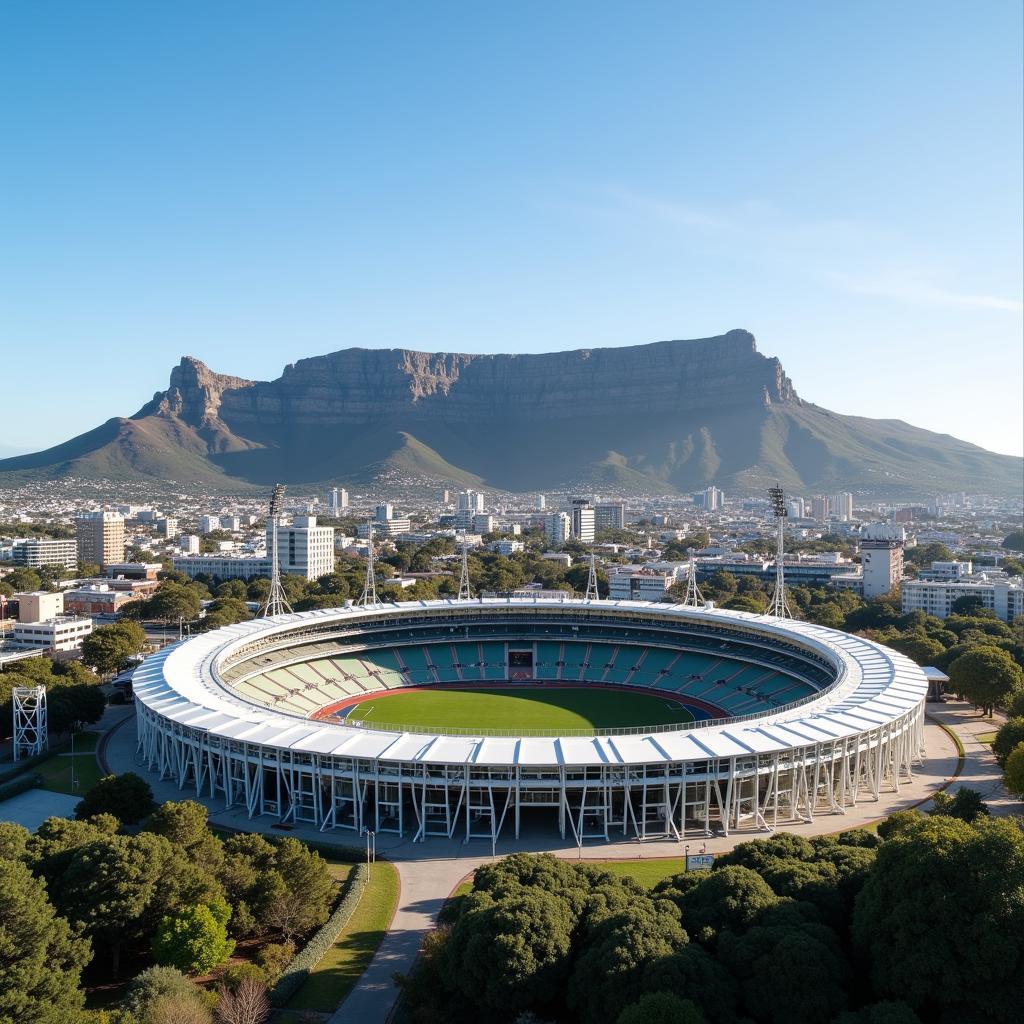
(611, 516)
(582, 520)
(540, 503)
(100, 537)
(385, 511)
(882, 565)
(303, 548)
(819, 508)
(337, 500)
(842, 506)
(471, 501)
(207, 524)
(711, 499)
(557, 527)
(189, 544)
(797, 508)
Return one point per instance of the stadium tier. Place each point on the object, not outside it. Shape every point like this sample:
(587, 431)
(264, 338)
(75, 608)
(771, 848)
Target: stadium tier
(789, 719)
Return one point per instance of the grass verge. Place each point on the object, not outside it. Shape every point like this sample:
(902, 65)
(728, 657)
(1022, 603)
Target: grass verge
(57, 770)
(345, 962)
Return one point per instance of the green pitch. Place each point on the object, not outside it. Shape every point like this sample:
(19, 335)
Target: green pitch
(523, 708)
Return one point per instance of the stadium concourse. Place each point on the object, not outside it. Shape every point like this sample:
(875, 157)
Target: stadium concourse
(791, 721)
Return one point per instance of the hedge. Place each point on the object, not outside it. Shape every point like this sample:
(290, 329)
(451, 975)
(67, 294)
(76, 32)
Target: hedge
(316, 949)
(22, 784)
(18, 767)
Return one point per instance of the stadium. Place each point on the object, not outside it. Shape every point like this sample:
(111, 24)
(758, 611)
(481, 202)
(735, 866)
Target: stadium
(491, 719)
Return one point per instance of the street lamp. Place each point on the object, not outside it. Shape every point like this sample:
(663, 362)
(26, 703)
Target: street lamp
(371, 844)
(74, 774)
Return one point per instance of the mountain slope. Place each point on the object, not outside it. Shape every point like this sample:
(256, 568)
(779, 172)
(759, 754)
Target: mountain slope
(666, 416)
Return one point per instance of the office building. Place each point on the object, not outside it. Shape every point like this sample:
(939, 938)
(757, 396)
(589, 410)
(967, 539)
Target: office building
(61, 633)
(337, 500)
(582, 513)
(100, 537)
(33, 552)
(506, 547)
(881, 566)
(557, 527)
(1004, 597)
(167, 527)
(223, 567)
(947, 571)
(540, 503)
(638, 583)
(610, 516)
(230, 523)
(384, 512)
(303, 548)
(711, 499)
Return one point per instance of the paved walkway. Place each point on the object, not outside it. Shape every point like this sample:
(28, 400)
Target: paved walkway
(33, 807)
(429, 871)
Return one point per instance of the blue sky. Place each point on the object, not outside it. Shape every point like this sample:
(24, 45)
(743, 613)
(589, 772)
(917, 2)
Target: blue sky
(252, 183)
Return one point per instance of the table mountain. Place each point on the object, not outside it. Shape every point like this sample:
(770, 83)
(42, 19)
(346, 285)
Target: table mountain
(673, 415)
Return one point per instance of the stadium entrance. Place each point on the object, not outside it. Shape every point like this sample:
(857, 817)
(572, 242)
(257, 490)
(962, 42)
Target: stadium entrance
(520, 663)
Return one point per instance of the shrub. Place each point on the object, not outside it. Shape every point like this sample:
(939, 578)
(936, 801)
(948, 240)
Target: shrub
(196, 938)
(237, 973)
(316, 949)
(153, 984)
(1011, 732)
(274, 957)
(22, 784)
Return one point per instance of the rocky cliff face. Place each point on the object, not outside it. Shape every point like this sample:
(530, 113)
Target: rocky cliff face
(673, 415)
(360, 386)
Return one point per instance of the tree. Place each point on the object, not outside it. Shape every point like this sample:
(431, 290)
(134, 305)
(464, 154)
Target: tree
(108, 649)
(246, 1003)
(731, 898)
(195, 940)
(173, 601)
(1010, 733)
(41, 960)
(1013, 771)
(966, 804)
(941, 922)
(1014, 541)
(661, 1008)
(153, 984)
(986, 675)
(128, 797)
(886, 1012)
(68, 706)
(184, 823)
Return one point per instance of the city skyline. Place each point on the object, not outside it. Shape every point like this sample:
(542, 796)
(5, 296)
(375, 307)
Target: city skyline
(253, 192)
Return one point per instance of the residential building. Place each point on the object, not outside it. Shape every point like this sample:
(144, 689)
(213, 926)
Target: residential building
(471, 501)
(842, 506)
(337, 500)
(935, 597)
(37, 605)
(797, 508)
(33, 552)
(711, 499)
(207, 524)
(819, 508)
(483, 523)
(947, 571)
(609, 516)
(384, 512)
(540, 503)
(61, 633)
(100, 537)
(557, 527)
(881, 566)
(506, 547)
(189, 544)
(167, 527)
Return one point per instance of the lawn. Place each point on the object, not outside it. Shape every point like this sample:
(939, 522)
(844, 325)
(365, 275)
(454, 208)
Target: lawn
(56, 770)
(550, 708)
(345, 962)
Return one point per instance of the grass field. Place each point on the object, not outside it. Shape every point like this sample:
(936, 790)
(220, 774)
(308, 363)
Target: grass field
(345, 962)
(528, 707)
(56, 770)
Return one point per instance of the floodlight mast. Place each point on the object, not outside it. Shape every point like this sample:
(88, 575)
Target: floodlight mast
(31, 734)
(694, 598)
(465, 592)
(276, 603)
(779, 606)
(369, 599)
(592, 593)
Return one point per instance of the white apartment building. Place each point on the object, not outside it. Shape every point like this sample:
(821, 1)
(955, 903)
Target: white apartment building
(583, 520)
(189, 544)
(230, 523)
(224, 567)
(954, 570)
(936, 597)
(557, 527)
(540, 503)
(61, 633)
(167, 527)
(471, 501)
(207, 524)
(33, 552)
(638, 583)
(506, 547)
(881, 566)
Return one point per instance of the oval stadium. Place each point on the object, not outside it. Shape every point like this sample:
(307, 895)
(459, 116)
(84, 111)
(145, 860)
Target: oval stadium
(494, 719)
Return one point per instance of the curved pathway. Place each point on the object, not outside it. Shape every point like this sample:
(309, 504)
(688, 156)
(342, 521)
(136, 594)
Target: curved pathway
(430, 871)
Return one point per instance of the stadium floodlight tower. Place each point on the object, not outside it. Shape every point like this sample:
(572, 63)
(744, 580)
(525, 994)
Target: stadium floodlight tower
(592, 594)
(694, 598)
(777, 500)
(276, 603)
(30, 724)
(465, 592)
(368, 598)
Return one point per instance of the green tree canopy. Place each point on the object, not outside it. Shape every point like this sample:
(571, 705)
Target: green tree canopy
(1014, 771)
(128, 797)
(987, 675)
(41, 960)
(661, 1008)
(195, 939)
(1010, 733)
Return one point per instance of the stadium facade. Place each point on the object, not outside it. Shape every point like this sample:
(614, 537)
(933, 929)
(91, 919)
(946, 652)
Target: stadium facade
(823, 720)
